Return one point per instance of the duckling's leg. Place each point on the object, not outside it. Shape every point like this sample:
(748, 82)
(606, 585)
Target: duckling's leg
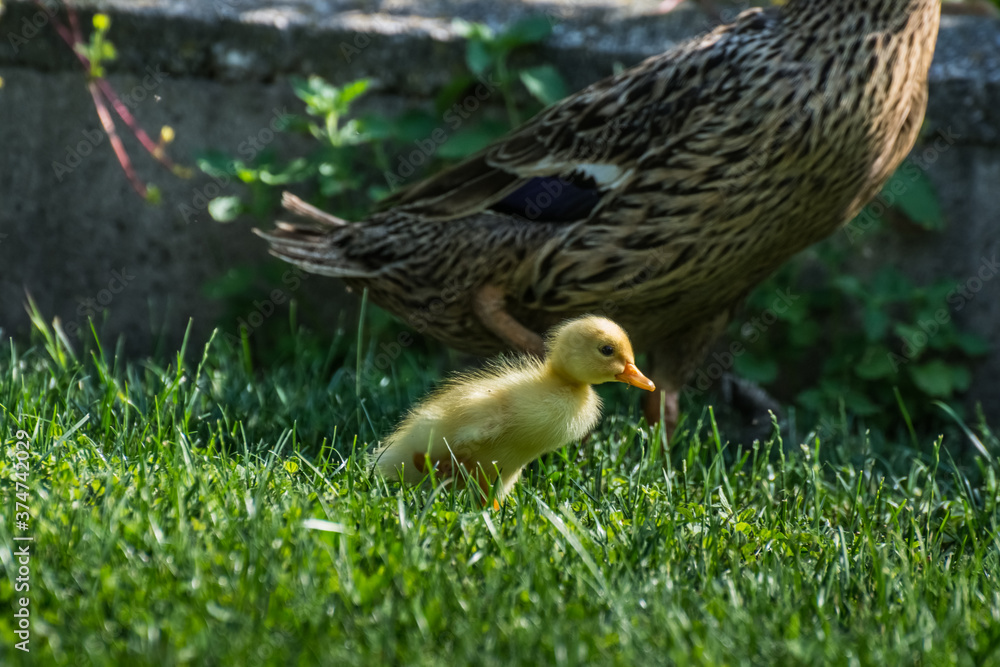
(446, 468)
(490, 307)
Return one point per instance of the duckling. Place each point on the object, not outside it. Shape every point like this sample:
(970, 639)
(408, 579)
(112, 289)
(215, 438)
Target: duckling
(495, 421)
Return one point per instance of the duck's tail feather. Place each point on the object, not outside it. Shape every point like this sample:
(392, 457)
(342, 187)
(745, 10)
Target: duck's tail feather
(293, 204)
(317, 250)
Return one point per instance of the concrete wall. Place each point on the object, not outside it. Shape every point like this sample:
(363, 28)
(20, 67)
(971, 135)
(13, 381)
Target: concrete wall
(216, 71)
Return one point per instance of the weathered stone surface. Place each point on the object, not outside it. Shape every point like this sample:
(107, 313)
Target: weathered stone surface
(216, 71)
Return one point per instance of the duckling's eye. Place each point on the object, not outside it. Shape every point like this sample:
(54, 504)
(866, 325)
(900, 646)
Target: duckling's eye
(607, 350)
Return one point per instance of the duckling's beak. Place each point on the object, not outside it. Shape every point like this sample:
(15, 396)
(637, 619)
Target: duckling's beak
(632, 376)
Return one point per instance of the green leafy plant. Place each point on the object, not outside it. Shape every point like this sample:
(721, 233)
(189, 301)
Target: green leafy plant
(876, 345)
(488, 54)
(343, 173)
(341, 169)
(93, 54)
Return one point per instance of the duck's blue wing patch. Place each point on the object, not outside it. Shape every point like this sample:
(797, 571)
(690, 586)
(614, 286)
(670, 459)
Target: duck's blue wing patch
(550, 199)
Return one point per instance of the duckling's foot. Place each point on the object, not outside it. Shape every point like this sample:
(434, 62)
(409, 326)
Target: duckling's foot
(490, 307)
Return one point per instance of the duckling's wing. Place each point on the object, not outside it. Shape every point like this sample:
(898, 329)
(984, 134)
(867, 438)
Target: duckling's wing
(468, 410)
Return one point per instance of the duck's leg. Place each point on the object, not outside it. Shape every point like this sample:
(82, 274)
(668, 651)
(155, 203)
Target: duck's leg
(672, 364)
(490, 307)
(665, 370)
(664, 403)
(754, 404)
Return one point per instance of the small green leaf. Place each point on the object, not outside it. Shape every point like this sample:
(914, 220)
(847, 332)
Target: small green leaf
(465, 142)
(890, 283)
(526, 31)
(478, 57)
(813, 399)
(302, 88)
(295, 171)
(859, 404)
(153, 194)
(544, 83)
(850, 285)
(353, 90)
(376, 127)
(961, 378)
(875, 365)
(225, 209)
(414, 126)
(915, 340)
(452, 92)
(876, 324)
(938, 379)
(247, 174)
(804, 333)
(216, 163)
(756, 368)
(472, 31)
(972, 345)
(911, 191)
(321, 97)
(236, 281)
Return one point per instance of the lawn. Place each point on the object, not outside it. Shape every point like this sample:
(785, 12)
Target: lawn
(208, 509)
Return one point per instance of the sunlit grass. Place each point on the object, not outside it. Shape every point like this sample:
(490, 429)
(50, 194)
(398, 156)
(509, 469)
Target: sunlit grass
(205, 511)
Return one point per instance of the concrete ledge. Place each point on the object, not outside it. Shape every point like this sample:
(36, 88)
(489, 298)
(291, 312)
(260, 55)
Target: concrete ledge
(254, 40)
(216, 70)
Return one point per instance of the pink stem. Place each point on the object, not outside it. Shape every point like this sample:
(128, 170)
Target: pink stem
(72, 36)
(66, 35)
(74, 24)
(116, 143)
(127, 117)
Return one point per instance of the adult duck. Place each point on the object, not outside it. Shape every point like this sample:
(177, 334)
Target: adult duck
(659, 196)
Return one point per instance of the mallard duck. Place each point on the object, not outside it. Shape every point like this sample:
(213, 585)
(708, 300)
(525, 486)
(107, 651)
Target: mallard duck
(494, 422)
(659, 196)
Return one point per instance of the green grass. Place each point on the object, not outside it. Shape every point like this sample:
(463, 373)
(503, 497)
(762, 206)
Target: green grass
(207, 512)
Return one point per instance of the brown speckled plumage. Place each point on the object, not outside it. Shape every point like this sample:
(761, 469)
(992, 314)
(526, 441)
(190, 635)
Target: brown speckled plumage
(709, 166)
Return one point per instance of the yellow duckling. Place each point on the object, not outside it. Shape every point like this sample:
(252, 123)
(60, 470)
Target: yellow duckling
(496, 421)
